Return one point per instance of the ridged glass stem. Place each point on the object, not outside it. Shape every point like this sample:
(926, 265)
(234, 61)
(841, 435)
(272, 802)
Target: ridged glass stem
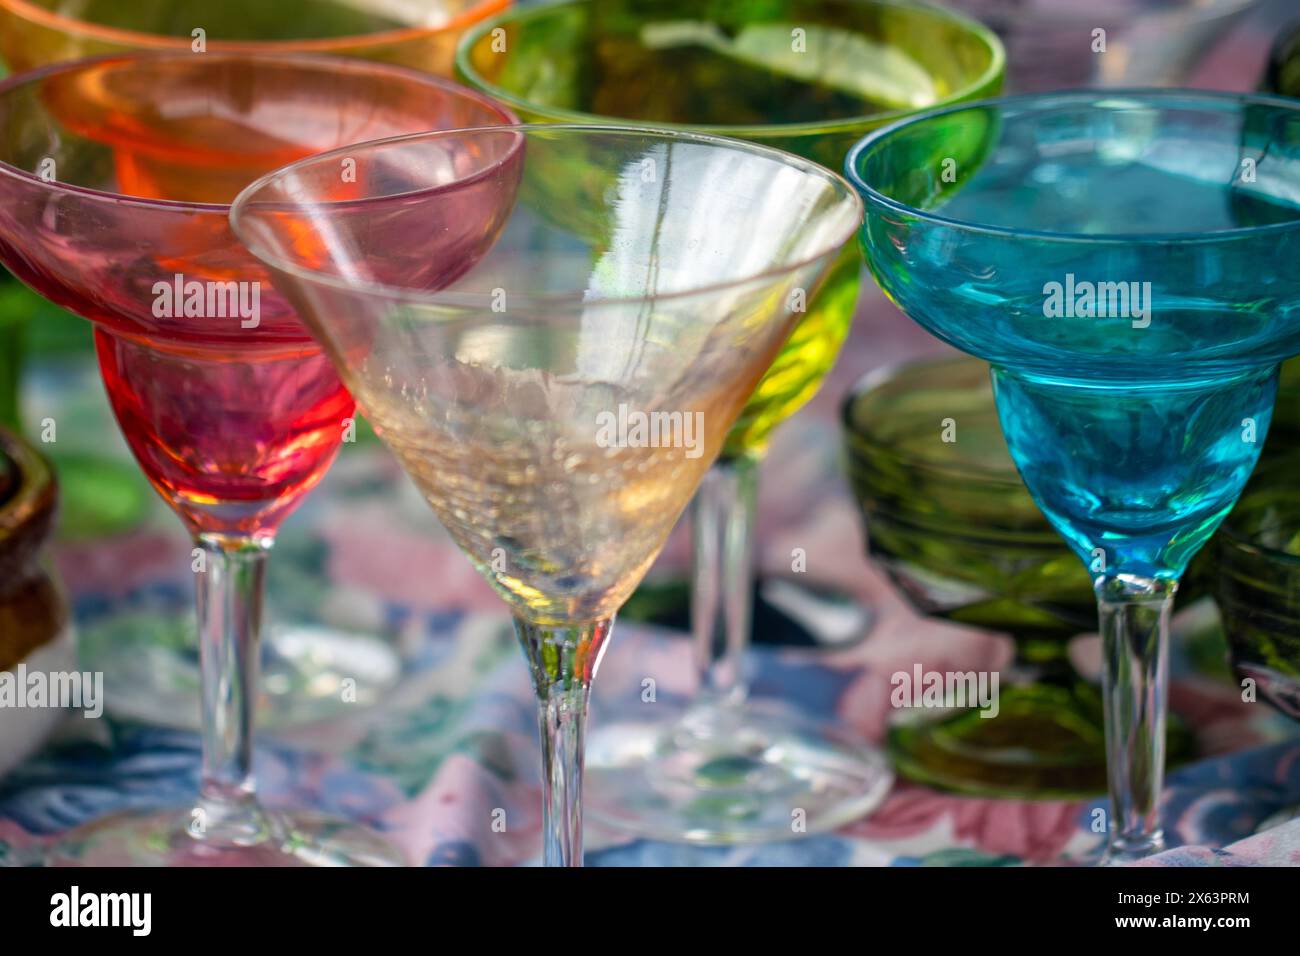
(562, 662)
(1135, 684)
(230, 575)
(722, 523)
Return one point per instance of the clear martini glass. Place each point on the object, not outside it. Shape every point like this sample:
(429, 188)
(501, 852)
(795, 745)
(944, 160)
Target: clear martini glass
(811, 77)
(115, 180)
(1124, 260)
(554, 329)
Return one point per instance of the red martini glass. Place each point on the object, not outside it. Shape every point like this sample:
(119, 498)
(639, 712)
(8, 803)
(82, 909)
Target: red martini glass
(115, 180)
(306, 656)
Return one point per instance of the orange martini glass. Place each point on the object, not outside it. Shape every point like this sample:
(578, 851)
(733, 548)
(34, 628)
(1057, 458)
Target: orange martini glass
(420, 33)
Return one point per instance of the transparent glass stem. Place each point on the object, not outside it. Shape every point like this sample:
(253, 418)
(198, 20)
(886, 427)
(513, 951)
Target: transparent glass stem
(722, 523)
(562, 662)
(230, 574)
(1134, 616)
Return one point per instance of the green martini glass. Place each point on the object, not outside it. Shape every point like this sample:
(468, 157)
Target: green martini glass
(809, 77)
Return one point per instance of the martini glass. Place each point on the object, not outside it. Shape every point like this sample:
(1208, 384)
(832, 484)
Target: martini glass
(420, 33)
(557, 400)
(305, 661)
(115, 177)
(1136, 420)
(809, 76)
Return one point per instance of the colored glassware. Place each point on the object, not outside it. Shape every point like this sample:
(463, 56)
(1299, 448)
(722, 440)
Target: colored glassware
(97, 495)
(306, 661)
(808, 76)
(950, 521)
(1120, 258)
(553, 328)
(1282, 73)
(1256, 553)
(1255, 567)
(422, 35)
(230, 407)
(1258, 584)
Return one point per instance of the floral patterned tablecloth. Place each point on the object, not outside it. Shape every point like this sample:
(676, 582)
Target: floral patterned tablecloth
(456, 740)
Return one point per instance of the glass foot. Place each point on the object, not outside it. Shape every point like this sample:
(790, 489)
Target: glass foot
(752, 774)
(1123, 852)
(151, 669)
(162, 838)
(1047, 741)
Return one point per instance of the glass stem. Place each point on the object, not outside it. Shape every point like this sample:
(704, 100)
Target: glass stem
(230, 575)
(1134, 614)
(562, 662)
(722, 523)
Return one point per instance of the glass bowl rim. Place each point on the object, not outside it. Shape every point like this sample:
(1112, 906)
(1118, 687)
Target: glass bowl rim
(564, 300)
(515, 15)
(153, 41)
(1247, 544)
(893, 372)
(334, 63)
(877, 139)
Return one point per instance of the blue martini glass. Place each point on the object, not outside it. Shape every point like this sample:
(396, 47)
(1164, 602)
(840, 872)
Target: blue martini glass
(1125, 260)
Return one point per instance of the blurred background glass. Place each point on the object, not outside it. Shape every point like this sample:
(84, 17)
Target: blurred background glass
(1052, 44)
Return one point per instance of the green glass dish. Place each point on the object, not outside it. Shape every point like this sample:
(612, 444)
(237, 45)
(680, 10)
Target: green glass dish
(1258, 584)
(754, 71)
(953, 526)
(1255, 567)
(728, 67)
(1282, 72)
